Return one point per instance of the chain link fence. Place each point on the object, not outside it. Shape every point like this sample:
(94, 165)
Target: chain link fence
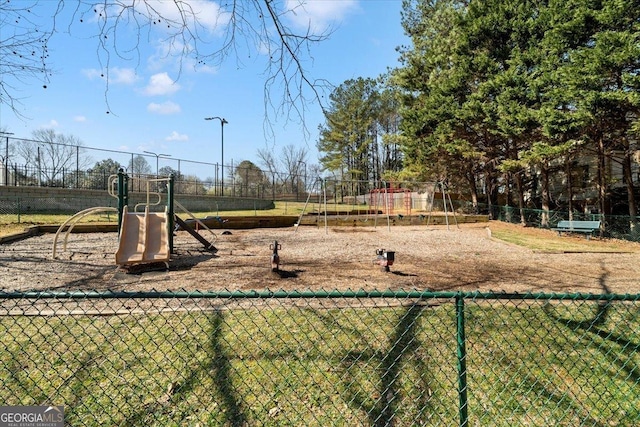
(616, 226)
(321, 358)
(239, 183)
(25, 163)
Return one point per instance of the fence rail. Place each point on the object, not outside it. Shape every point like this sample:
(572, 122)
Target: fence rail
(381, 358)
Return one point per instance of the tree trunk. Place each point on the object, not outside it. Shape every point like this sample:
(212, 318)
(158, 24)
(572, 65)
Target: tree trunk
(507, 195)
(631, 198)
(471, 180)
(523, 219)
(489, 184)
(602, 183)
(544, 171)
(569, 175)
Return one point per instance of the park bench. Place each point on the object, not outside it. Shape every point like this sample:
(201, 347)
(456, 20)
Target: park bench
(586, 227)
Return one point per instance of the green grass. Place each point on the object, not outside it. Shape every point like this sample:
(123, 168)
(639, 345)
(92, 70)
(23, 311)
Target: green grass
(540, 365)
(553, 243)
(11, 224)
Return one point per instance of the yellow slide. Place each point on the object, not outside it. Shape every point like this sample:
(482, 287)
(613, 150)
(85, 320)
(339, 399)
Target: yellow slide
(144, 238)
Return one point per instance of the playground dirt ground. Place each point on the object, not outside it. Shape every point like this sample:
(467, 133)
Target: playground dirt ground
(437, 258)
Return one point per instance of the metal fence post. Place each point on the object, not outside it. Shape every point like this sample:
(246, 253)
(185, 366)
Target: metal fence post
(462, 362)
(122, 197)
(170, 213)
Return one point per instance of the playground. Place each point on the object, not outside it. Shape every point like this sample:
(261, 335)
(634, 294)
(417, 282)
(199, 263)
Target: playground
(466, 257)
(156, 249)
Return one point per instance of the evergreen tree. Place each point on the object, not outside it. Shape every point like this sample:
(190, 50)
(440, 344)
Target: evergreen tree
(346, 137)
(495, 89)
(599, 75)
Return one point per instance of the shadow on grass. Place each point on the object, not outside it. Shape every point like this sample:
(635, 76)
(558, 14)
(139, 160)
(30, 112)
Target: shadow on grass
(76, 369)
(218, 368)
(563, 401)
(618, 349)
(382, 406)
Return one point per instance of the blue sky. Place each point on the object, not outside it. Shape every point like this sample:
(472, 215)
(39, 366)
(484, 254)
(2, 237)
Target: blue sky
(156, 106)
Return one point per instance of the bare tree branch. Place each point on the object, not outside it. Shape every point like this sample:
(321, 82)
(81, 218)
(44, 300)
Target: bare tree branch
(196, 33)
(24, 51)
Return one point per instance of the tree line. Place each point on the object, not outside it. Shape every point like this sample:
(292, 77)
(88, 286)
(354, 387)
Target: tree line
(498, 98)
(56, 159)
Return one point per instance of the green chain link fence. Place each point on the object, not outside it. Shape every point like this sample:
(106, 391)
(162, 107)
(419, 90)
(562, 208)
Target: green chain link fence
(616, 226)
(323, 358)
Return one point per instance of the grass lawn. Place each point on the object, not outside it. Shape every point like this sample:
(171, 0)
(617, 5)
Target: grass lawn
(271, 365)
(12, 224)
(549, 241)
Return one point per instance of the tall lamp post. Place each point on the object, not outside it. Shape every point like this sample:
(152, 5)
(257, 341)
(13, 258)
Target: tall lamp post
(223, 122)
(157, 158)
(5, 160)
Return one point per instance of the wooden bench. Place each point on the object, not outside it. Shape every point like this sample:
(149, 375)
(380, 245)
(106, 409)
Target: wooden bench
(586, 227)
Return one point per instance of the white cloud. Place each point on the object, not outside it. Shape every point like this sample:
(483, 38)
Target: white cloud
(175, 136)
(207, 13)
(165, 54)
(116, 75)
(171, 53)
(318, 15)
(206, 69)
(123, 75)
(80, 119)
(53, 124)
(165, 108)
(91, 73)
(161, 84)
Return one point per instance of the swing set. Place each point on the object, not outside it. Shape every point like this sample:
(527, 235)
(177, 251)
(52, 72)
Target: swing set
(382, 199)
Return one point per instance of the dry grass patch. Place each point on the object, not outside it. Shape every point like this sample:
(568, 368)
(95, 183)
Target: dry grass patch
(543, 240)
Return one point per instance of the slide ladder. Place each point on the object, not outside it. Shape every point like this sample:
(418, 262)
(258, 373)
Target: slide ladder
(144, 237)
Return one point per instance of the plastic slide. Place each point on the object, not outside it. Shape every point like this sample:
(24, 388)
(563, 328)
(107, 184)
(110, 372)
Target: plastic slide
(144, 238)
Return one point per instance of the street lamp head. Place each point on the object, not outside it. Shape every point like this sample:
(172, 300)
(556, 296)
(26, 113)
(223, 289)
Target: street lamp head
(157, 155)
(223, 121)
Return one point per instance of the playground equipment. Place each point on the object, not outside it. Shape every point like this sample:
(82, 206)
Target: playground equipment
(386, 197)
(71, 222)
(148, 237)
(143, 237)
(275, 258)
(188, 226)
(391, 202)
(385, 259)
(446, 196)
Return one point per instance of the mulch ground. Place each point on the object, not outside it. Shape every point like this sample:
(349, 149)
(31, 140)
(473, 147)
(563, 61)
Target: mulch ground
(436, 258)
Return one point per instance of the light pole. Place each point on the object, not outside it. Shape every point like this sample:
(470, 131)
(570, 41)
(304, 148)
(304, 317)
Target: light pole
(223, 122)
(5, 160)
(157, 158)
